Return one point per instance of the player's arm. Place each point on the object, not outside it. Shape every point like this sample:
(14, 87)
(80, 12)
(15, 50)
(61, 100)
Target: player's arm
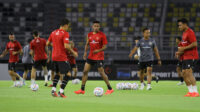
(18, 52)
(86, 48)
(133, 52)
(4, 53)
(157, 55)
(68, 47)
(192, 45)
(99, 50)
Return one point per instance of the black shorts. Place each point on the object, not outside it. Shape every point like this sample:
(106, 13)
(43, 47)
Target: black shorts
(12, 66)
(98, 63)
(62, 67)
(73, 66)
(50, 66)
(187, 64)
(144, 65)
(27, 66)
(180, 64)
(39, 64)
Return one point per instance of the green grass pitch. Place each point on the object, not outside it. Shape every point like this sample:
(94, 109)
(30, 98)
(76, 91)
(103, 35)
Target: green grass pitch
(165, 96)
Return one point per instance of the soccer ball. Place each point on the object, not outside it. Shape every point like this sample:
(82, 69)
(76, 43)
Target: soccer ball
(19, 84)
(118, 86)
(127, 85)
(134, 86)
(34, 87)
(98, 91)
(75, 81)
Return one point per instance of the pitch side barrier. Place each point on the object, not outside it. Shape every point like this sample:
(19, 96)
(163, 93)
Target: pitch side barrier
(119, 70)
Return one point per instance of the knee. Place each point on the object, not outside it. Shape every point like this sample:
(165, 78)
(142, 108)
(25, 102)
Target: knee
(85, 72)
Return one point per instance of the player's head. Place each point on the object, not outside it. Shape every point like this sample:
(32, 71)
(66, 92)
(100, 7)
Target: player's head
(137, 39)
(96, 26)
(64, 24)
(182, 24)
(35, 34)
(178, 40)
(71, 43)
(146, 32)
(11, 36)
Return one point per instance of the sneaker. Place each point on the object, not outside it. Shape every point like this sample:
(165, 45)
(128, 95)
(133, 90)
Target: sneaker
(149, 88)
(62, 95)
(54, 94)
(51, 85)
(46, 84)
(188, 94)
(180, 83)
(195, 94)
(79, 92)
(157, 79)
(142, 86)
(109, 92)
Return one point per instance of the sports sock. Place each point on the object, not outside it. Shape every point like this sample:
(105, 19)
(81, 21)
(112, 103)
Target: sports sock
(181, 79)
(64, 82)
(109, 87)
(55, 80)
(190, 88)
(195, 89)
(83, 87)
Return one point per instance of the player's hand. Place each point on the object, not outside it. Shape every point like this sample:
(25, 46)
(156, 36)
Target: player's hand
(136, 57)
(84, 56)
(1, 56)
(75, 54)
(96, 51)
(14, 53)
(181, 49)
(130, 56)
(159, 62)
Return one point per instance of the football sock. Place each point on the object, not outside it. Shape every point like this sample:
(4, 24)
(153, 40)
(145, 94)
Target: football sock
(64, 82)
(181, 79)
(83, 87)
(109, 87)
(55, 80)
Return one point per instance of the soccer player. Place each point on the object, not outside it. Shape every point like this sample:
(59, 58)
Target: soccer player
(147, 46)
(60, 40)
(14, 49)
(50, 65)
(190, 55)
(38, 49)
(26, 60)
(179, 64)
(72, 60)
(97, 42)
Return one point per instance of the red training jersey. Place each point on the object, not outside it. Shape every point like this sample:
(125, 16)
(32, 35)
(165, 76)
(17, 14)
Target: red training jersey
(71, 58)
(96, 41)
(38, 46)
(13, 47)
(189, 37)
(58, 38)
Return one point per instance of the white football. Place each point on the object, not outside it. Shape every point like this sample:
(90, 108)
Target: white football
(75, 81)
(127, 85)
(98, 91)
(19, 84)
(134, 86)
(34, 87)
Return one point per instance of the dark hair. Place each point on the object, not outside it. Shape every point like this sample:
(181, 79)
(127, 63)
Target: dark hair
(145, 29)
(35, 33)
(137, 38)
(179, 38)
(183, 20)
(29, 40)
(64, 22)
(11, 33)
(96, 22)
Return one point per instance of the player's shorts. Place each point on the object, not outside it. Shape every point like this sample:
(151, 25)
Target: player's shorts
(12, 66)
(73, 66)
(187, 64)
(98, 63)
(179, 64)
(144, 65)
(27, 66)
(62, 67)
(39, 64)
(50, 66)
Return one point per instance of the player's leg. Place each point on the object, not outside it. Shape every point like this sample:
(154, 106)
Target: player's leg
(13, 74)
(142, 68)
(87, 68)
(55, 79)
(149, 77)
(25, 76)
(13, 78)
(178, 70)
(75, 71)
(33, 75)
(45, 71)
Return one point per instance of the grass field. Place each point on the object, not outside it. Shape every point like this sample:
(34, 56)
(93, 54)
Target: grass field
(165, 96)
